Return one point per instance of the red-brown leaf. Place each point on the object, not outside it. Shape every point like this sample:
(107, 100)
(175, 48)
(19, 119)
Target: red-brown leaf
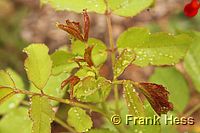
(72, 81)
(88, 56)
(157, 95)
(73, 28)
(86, 25)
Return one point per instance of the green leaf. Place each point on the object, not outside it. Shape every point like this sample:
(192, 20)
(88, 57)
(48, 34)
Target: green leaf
(85, 72)
(62, 62)
(176, 85)
(11, 79)
(166, 128)
(149, 112)
(53, 87)
(5, 93)
(5, 79)
(133, 100)
(41, 114)
(100, 131)
(38, 64)
(128, 8)
(16, 121)
(78, 5)
(149, 128)
(78, 119)
(154, 49)
(191, 62)
(92, 90)
(125, 58)
(118, 7)
(99, 53)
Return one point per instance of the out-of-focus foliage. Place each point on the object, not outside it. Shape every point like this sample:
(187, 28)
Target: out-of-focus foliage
(125, 8)
(10, 35)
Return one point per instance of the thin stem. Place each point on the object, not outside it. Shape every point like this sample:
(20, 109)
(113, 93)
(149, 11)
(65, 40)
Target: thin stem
(116, 95)
(112, 47)
(65, 101)
(191, 111)
(63, 124)
(111, 41)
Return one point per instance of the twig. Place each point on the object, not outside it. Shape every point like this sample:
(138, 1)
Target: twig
(63, 124)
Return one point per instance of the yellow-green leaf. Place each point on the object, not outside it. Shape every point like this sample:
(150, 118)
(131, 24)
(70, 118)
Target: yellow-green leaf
(78, 119)
(62, 62)
(126, 57)
(125, 8)
(16, 121)
(154, 49)
(191, 62)
(12, 80)
(53, 87)
(99, 53)
(133, 100)
(128, 8)
(5, 93)
(77, 5)
(5, 79)
(92, 90)
(41, 114)
(38, 64)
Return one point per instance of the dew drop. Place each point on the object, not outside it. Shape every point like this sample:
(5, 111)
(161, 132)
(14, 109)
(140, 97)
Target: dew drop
(11, 105)
(166, 55)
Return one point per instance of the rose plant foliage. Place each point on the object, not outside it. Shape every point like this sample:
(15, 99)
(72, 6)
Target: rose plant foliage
(72, 77)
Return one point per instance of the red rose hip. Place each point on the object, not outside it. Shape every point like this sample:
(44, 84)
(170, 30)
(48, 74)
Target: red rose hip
(192, 8)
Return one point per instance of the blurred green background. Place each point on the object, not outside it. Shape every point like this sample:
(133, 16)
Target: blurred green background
(24, 21)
